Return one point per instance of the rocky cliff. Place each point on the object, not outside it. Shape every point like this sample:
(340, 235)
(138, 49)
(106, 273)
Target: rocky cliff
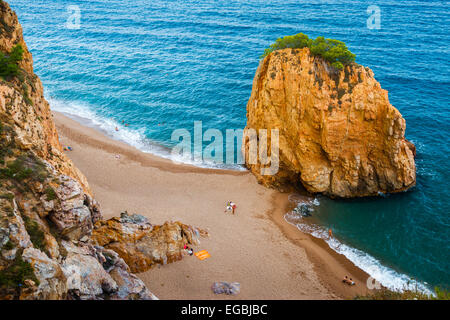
(143, 245)
(338, 133)
(47, 212)
(23, 104)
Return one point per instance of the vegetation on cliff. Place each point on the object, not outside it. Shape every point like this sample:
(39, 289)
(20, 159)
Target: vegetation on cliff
(331, 50)
(9, 63)
(47, 213)
(14, 275)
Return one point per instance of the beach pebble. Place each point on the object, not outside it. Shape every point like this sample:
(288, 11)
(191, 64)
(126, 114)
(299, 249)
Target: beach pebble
(227, 288)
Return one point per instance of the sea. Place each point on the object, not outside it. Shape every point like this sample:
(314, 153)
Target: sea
(149, 68)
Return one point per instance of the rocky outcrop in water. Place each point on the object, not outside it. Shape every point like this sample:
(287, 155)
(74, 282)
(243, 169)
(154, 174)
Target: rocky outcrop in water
(338, 133)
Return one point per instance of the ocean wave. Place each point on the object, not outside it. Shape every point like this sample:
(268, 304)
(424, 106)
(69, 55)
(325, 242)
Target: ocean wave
(386, 276)
(83, 114)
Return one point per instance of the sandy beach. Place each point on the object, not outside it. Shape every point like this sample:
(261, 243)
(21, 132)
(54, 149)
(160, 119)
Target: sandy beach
(255, 247)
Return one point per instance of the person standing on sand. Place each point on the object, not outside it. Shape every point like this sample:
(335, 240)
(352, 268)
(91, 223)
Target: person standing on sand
(228, 207)
(233, 206)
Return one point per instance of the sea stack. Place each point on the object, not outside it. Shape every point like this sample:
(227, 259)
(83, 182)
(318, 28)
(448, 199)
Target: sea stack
(338, 133)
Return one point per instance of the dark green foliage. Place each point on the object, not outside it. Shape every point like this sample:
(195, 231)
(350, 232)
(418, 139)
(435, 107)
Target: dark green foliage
(8, 246)
(9, 63)
(37, 236)
(14, 275)
(337, 65)
(50, 194)
(341, 93)
(24, 167)
(15, 170)
(8, 210)
(441, 294)
(7, 196)
(333, 51)
(297, 41)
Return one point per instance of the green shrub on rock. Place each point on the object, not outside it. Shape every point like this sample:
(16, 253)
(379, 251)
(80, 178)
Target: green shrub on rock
(37, 236)
(9, 63)
(297, 41)
(50, 194)
(24, 167)
(14, 275)
(333, 51)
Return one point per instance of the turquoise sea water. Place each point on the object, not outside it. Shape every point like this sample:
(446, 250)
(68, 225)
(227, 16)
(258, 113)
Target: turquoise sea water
(175, 62)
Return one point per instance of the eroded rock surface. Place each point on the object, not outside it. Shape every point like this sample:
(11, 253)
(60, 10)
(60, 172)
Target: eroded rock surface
(22, 102)
(47, 211)
(338, 133)
(143, 245)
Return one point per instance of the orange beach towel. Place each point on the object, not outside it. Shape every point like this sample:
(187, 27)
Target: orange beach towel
(202, 255)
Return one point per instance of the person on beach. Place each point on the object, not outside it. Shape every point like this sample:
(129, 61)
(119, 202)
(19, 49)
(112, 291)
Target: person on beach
(117, 129)
(228, 207)
(330, 233)
(188, 250)
(233, 207)
(348, 281)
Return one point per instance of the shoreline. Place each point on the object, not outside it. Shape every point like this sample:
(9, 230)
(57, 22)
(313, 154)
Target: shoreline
(327, 262)
(298, 253)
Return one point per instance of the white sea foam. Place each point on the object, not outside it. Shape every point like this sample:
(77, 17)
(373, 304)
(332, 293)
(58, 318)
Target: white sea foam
(83, 114)
(386, 276)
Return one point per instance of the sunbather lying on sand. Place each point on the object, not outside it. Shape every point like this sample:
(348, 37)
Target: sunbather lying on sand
(188, 250)
(348, 281)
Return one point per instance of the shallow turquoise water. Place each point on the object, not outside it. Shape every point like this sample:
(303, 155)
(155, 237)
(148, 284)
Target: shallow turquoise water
(172, 63)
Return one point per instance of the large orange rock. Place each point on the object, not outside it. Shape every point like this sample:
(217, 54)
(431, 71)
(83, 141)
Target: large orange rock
(142, 245)
(338, 133)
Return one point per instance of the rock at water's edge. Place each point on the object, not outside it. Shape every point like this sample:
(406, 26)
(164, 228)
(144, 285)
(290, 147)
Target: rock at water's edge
(338, 133)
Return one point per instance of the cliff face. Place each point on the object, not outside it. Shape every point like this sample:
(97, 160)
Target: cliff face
(47, 212)
(338, 133)
(23, 105)
(142, 245)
